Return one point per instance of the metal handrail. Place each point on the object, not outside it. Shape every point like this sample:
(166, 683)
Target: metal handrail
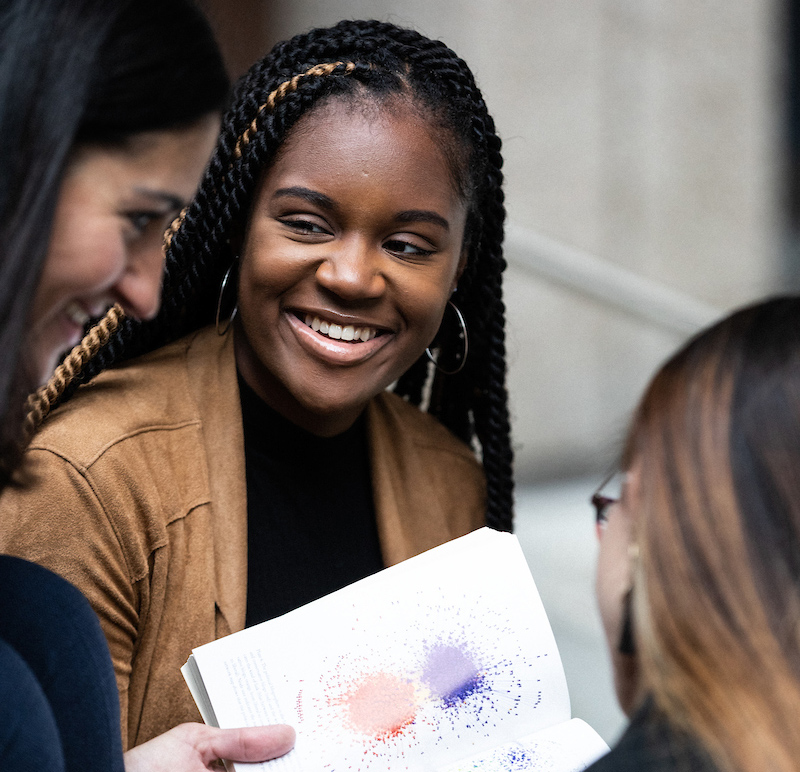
(606, 282)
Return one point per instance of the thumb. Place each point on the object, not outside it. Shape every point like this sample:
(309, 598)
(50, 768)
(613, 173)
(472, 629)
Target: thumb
(254, 743)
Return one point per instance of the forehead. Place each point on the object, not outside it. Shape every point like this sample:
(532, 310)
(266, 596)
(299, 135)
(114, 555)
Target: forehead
(170, 158)
(347, 144)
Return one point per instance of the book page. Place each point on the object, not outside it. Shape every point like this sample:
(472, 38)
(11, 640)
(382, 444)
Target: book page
(568, 747)
(445, 655)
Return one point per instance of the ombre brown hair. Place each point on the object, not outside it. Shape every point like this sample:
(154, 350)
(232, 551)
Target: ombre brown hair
(716, 442)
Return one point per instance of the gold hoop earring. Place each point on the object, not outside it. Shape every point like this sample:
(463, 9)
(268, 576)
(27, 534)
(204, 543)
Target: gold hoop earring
(232, 316)
(464, 338)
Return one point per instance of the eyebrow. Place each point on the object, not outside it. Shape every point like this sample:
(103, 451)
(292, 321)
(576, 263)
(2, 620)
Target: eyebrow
(423, 215)
(312, 196)
(170, 199)
(325, 202)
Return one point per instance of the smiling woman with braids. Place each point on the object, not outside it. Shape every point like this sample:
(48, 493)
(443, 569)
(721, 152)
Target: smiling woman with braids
(240, 455)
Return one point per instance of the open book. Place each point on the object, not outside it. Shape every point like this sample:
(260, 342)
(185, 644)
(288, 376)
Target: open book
(443, 662)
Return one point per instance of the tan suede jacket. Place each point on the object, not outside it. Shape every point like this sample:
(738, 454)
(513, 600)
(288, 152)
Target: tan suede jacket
(136, 494)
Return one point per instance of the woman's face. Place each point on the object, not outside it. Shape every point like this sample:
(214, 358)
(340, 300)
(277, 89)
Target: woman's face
(613, 583)
(353, 248)
(105, 245)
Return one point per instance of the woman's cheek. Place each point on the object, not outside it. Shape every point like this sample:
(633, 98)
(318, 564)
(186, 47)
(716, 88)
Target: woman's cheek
(614, 575)
(613, 585)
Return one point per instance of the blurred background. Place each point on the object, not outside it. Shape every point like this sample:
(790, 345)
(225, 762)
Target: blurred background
(652, 157)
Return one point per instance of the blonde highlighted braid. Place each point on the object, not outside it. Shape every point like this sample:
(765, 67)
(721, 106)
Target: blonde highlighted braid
(41, 402)
(279, 93)
(173, 228)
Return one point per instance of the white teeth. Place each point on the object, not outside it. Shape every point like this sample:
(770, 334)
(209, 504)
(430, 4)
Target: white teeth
(339, 332)
(76, 314)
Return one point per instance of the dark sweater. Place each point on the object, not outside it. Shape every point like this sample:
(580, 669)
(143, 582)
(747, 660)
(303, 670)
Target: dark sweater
(311, 518)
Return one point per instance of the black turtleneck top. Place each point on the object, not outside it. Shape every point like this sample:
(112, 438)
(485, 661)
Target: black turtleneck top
(310, 513)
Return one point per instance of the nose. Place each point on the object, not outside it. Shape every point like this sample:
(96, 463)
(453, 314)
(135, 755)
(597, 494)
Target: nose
(352, 270)
(138, 290)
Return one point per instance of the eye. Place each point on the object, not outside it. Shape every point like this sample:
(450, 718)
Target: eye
(141, 220)
(305, 226)
(406, 248)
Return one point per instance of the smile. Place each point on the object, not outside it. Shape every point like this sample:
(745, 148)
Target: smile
(337, 344)
(349, 332)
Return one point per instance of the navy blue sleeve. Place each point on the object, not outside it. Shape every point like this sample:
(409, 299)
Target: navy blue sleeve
(29, 738)
(52, 628)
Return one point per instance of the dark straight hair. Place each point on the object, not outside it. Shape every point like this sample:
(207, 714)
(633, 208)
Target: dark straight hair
(74, 72)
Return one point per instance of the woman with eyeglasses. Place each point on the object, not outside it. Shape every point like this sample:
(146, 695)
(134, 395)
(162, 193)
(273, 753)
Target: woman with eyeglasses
(698, 578)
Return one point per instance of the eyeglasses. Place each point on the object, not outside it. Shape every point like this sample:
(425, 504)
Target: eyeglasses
(607, 494)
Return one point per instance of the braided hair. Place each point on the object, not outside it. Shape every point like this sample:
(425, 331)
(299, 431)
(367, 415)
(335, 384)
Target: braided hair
(351, 60)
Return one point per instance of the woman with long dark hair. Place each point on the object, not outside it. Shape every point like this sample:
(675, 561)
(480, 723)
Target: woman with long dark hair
(243, 453)
(108, 112)
(699, 575)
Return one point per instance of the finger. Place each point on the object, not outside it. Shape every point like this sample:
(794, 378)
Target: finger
(256, 743)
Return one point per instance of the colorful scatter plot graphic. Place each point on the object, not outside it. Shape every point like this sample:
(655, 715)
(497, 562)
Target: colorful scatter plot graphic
(466, 686)
(416, 692)
(451, 673)
(510, 758)
(518, 759)
(380, 706)
(364, 708)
